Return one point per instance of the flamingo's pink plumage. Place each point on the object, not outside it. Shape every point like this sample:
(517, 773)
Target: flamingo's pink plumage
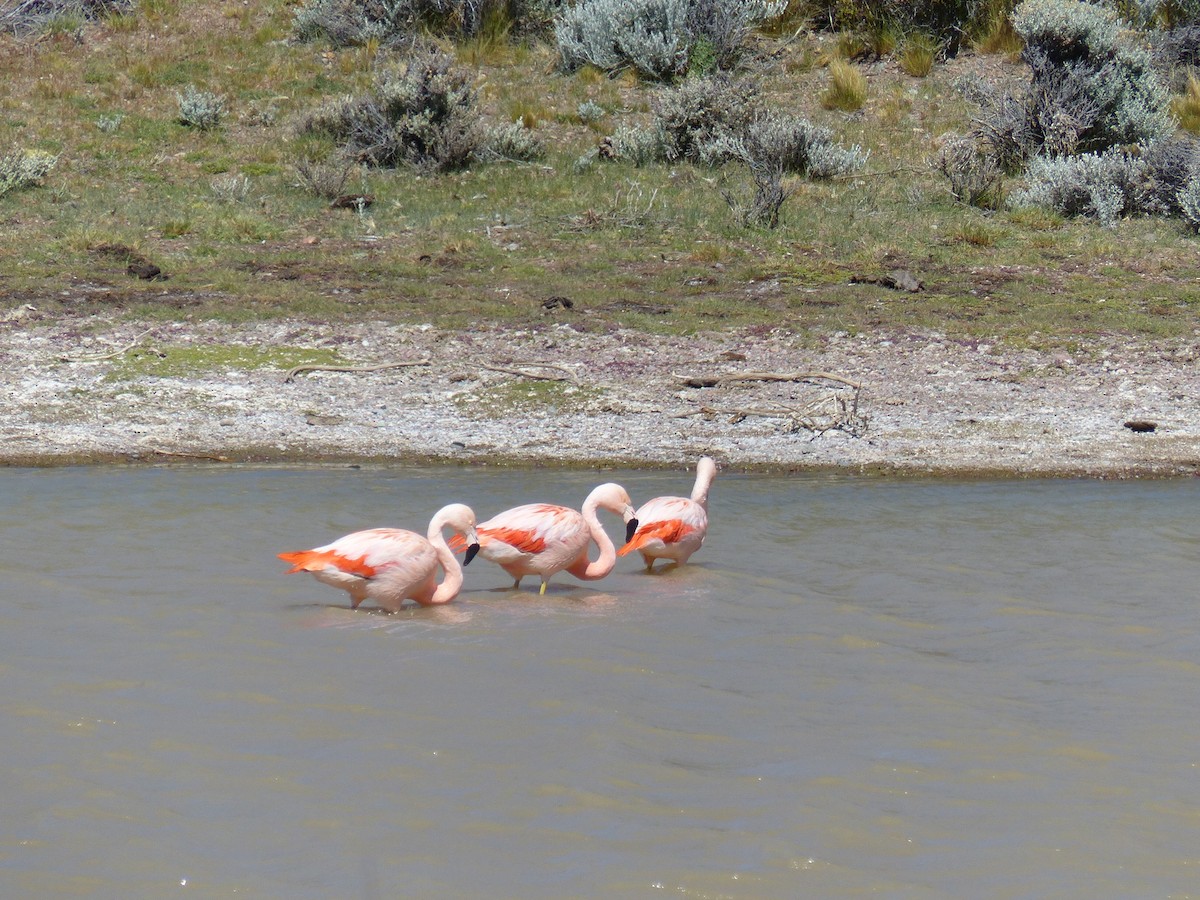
(674, 527)
(542, 539)
(390, 565)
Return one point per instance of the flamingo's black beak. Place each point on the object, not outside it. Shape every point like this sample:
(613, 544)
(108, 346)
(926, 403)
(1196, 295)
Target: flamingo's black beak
(471, 551)
(630, 529)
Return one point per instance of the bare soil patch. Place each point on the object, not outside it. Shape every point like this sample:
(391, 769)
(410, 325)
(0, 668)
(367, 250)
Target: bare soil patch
(79, 389)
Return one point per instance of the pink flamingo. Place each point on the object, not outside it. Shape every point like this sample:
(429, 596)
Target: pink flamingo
(542, 539)
(674, 527)
(388, 565)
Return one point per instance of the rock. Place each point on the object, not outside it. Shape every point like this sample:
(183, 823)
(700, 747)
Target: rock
(897, 280)
(352, 201)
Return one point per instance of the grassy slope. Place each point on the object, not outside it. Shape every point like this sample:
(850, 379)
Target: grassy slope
(654, 248)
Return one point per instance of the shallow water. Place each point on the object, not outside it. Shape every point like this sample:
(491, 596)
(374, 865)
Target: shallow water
(916, 689)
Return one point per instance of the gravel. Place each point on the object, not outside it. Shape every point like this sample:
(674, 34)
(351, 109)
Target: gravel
(75, 392)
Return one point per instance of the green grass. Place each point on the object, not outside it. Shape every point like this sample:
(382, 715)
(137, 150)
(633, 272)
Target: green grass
(534, 397)
(653, 248)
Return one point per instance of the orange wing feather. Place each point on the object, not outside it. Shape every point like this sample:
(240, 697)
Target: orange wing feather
(315, 560)
(525, 541)
(520, 538)
(669, 532)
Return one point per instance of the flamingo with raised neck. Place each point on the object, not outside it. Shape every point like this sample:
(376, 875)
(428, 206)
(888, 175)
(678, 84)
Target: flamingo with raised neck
(673, 528)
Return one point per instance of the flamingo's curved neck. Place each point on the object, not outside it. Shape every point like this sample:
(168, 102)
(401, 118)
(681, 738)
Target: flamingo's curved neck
(453, 578)
(603, 564)
(704, 479)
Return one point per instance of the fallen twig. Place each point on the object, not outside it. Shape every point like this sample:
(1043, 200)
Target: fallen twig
(214, 457)
(567, 374)
(314, 367)
(716, 380)
(115, 353)
(843, 416)
(837, 410)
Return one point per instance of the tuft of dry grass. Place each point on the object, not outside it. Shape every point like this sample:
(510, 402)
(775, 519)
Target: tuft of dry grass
(997, 36)
(847, 87)
(1186, 107)
(917, 55)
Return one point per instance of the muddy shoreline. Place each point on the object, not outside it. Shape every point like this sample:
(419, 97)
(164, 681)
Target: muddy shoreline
(89, 391)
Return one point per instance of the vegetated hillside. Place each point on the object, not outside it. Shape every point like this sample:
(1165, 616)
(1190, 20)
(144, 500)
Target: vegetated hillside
(242, 217)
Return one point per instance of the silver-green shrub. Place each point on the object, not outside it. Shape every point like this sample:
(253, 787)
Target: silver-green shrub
(21, 169)
(1189, 203)
(655, 37)
(200, 109)
(649, 35)
(1103, 186)
(796, 144)
(345, 23)
(698, 111)
(639, 145)
(421, 113)
(35, 16)
(590, 111)
(975, 176)
(1090, 73)
(1118, 182)
(514, 142)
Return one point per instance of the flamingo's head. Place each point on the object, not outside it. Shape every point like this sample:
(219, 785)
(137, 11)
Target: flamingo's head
(615, 499)
(461, 519)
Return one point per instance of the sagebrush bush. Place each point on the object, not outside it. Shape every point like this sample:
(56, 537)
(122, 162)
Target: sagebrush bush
(1118, 182)
(762, 210)
(589, 111)
(693, 114)
(1103, 186)
(515, 142)
(36, 16)
(323, 178)
(1087, 72)
(345, 23)
(947, 20)
(420, 113)
(21, 169)
(795, 145)
(657, 37)
(649, 35)
(1189, 204)
(640, 146)
(975, 175)
(200, 109)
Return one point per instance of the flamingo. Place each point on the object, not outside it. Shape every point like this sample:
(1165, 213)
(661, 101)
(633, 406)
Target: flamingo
(388, 565)
(674, 527)
(542, 539)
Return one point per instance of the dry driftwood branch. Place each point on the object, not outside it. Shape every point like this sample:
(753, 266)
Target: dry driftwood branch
(213, 457)
(567, 374)
(839, 414)
(115, 353)
(837, 410)
(717, 380)
(296, 370)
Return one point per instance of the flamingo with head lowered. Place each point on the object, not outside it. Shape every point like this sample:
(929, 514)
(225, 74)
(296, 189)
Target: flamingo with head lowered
(674, 527)
(542, 539)
(390, 565)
